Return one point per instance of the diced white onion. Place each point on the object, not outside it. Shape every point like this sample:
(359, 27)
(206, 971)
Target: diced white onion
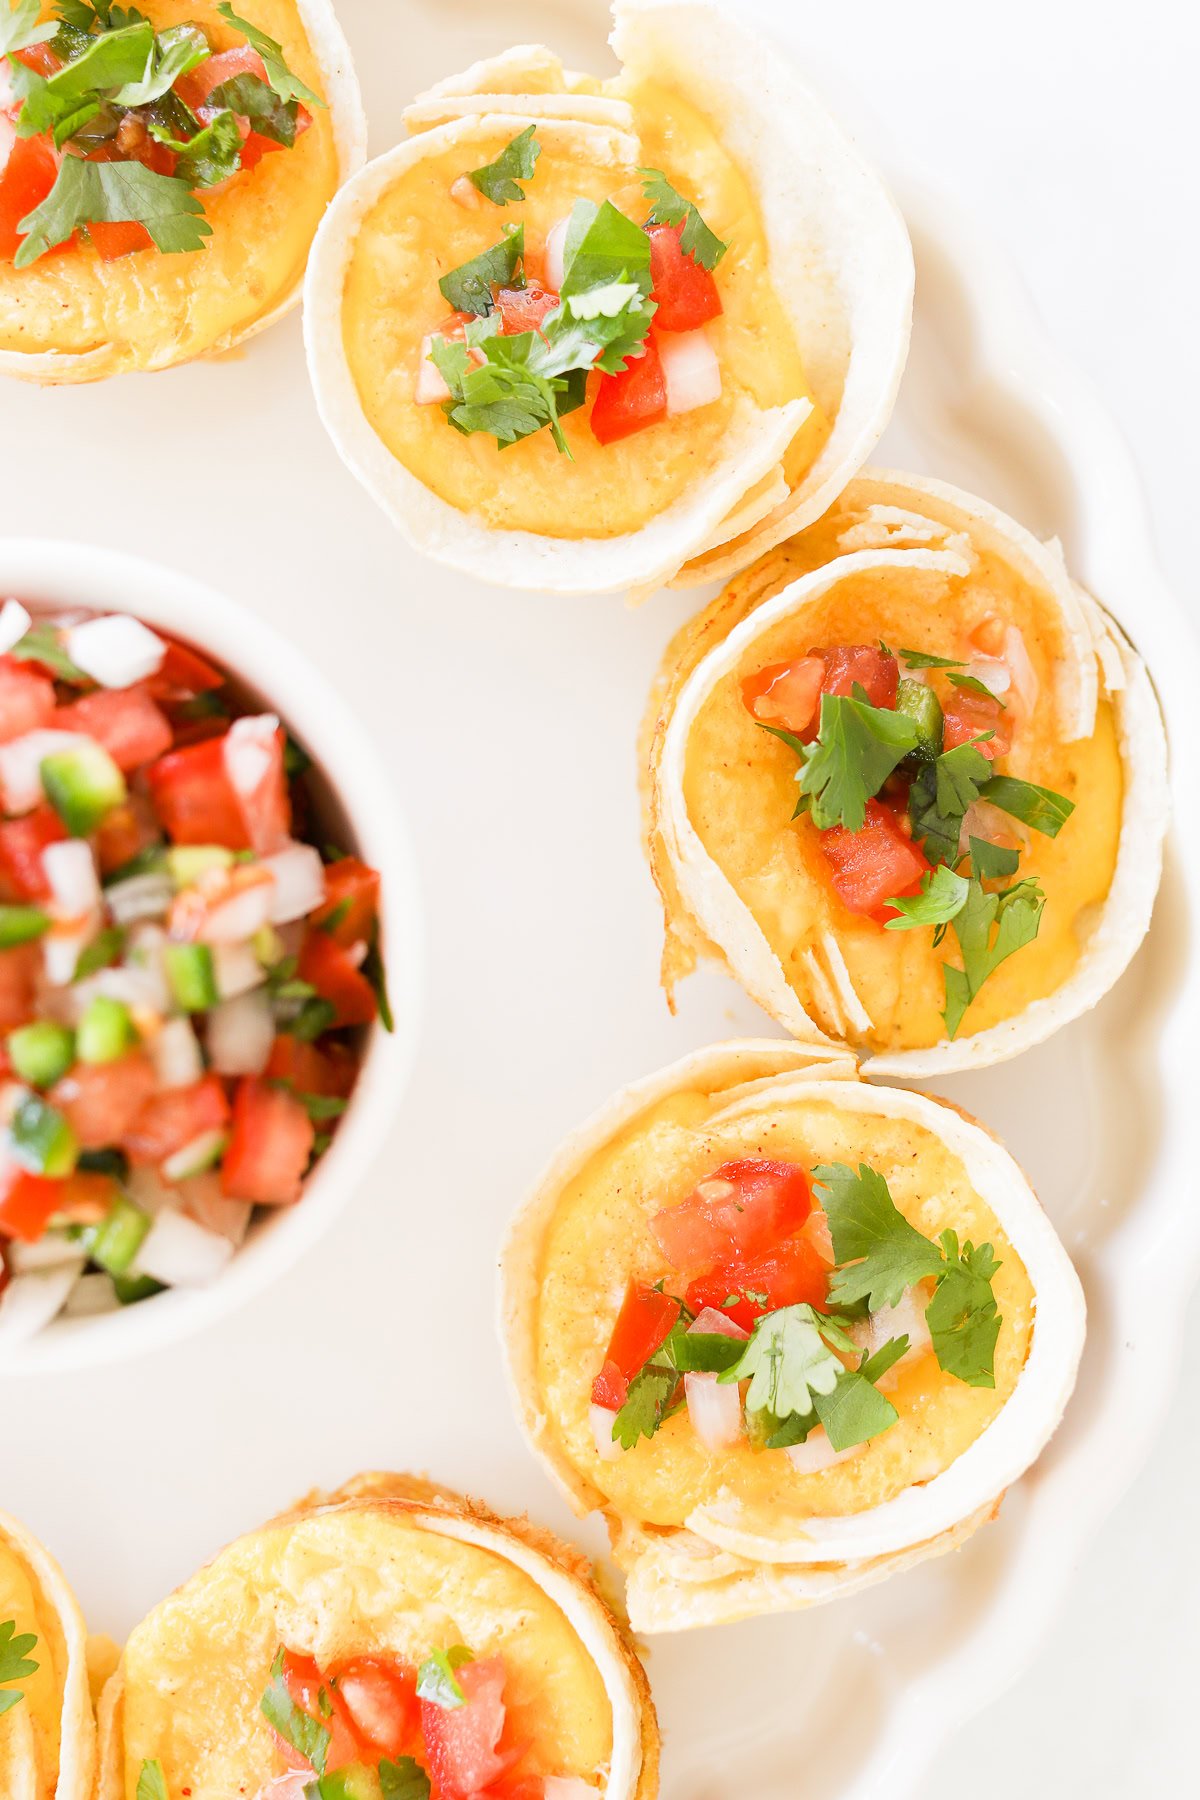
(70, 869)
(568, 1787)
(464, 191)
(203, 1201)
(817, 1453)
(180, 1253)
(175, 1053)
(1024, 677)
(430, 388)
(195, 1157)
(715, 1409)
(115, 650)
(52, 1251)
(236, 969)
(232, 920)
(14, 619)
(30, 1302)
(907, 1318)
(600, 1418)
(556, 243)
(299, 882)
(690, 370)
(61, 950)
(91, 1295)
(142, 989)
(712, 1320)
(140, 897)
(996, 676)
(21, 766)
(248, 751)
(240, 1034)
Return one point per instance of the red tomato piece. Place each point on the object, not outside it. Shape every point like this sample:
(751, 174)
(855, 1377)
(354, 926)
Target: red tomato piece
(786, 694)
(308, 1689)
(29, 174)
(20, 968)
(113, 238)
(352, 894)
(685, 290)
(173, 1118)
(337, 978)
(462, 1753)
(270, 1143)
(328, 1071)
(787, 1275)
(195, 799)
(642, 1327)
(965, 716)
(195, 87)
(40, 58)
(630, 401)
(253, 763)
(380, 1697)
(874, 865)
(124, 720)
(742, 1208)
(27, 1204)
(848, 666)
(23, 696)
(182, 674)
(124, 833)
(22, 876)
(101, 1101)
(523, 309)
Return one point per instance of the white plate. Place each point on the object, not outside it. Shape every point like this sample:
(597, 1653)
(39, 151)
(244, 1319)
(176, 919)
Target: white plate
(509, 722)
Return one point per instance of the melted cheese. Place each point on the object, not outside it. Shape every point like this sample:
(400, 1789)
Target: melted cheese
(41, 1709)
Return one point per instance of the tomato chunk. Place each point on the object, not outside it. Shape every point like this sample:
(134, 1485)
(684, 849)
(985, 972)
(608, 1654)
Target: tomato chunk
(175, 1117)
(523, 309)
(787, 1275)
(29, 174)
(462, 1742)
(195, 798)
(742, 1208)
(19, 971)
(308, 1689)
(867, 666)
(28, 1203)
(270, 1143)
(380, 1697)
(113, 238)
(642, 1327)
(22, 876)
(124, 720)
(337, 978)
(967, 716)
(124, 833)
(630, 401)
(685, 290)
(351, 901)
(328, 1071)
(786, 694)
(195, 87)
(874, 865)
(26, 699)
(183, 674)
(101, 1101)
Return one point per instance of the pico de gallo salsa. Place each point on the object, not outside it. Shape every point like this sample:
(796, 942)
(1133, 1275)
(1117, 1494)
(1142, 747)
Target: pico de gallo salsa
(184, 974)
(377, 1728)
(112, 133)
(791, 1298)
(609, 311)
(902, 779)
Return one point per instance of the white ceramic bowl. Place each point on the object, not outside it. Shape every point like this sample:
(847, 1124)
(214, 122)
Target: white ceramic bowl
(354, 795)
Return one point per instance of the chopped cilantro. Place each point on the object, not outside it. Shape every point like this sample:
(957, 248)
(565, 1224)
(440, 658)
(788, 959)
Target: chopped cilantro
(285, 84)
(403, 1779)
(938, 799)
(1014, 915)
(602, 245)
(971, 684)
(993, 862)
(22, 26)
(921, 659)
(857, 746)
(175, 52)
(499, 181)
(314, 1019)
(787, 1362)
(87, 191)
(104, 950)
(437, 1679)
(854, 1410)
(212, 155)
(257, 101)
(689, 1351)
(41, 644)
(962, 1317)
(297, 1728)
(1038, 807)
(61, 103)
(468, 288)
(668, 207)
(647, 1404)
(942, 895)
(152, 1783)
(15, 1663)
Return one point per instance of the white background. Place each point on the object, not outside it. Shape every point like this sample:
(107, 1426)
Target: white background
(508, 723)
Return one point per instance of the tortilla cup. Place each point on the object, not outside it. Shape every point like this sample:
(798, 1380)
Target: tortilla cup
(706, 1536)
(48, 1739)
(902, 558)
(819, 256)
(77, 318)
(388, 1564)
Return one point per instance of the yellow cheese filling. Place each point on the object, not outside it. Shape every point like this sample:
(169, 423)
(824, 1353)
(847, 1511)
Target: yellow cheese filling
(22, 1602)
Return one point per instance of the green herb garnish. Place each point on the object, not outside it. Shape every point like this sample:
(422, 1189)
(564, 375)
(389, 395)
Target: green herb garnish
(668, 207)
(499, 181)
(15, 1663)
(306, 1735)
(437, 1678)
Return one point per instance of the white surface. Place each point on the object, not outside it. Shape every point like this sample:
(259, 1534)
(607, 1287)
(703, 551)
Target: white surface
(509, 724)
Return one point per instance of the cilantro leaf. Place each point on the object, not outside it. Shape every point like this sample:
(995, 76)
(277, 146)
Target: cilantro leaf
(647, 1405)
(854, 1411)
(971, 684)
(506, 395)
(603, 246)
(941, 792)
(175, 52)
(857, 747)
(942, 895)
(787, 1362)
(700, 1351)
(437, 1679)
(152, 1784)
(212, 155)
(285, 84)
(297, 1728)
(86, 191)
(872, 1368)
(468, 288)
(41, 644)
(1015, 915)
(600, 327)
(992, 862)
(15, 1663)
(22, 26)
(499, 180)
(962, 1317)
(886, 1254)
(921, 659)
(257, 101)
(668, 207)
(1038, 807)
(61, 102)
(403, 1779)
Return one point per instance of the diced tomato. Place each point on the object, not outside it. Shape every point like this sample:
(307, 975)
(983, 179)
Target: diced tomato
(19, 971)
(462, 1753)
(195, 87)
(642, 1327)
(173, 1118)
(113, 238)
(787, 1275)
(101, 1101)
(309, 1690)
(195, 799)
(328, 1071)
(867, 666)
(29, 174)
(124, 720)
(351, 901)
(686, 292)
(337, 978)
(40, 58)
(630, 401)
(124, 833)
(270, 1143)
(874, 865)
(26, 699)
(742, 1208)
(22, 875)
(253, 752)
(523, 309)
(27, 1204)
(966, 716)
(183, 674)
(380, 1697)
(786, 694)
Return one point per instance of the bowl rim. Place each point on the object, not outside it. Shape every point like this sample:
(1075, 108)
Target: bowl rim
(48, 572)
